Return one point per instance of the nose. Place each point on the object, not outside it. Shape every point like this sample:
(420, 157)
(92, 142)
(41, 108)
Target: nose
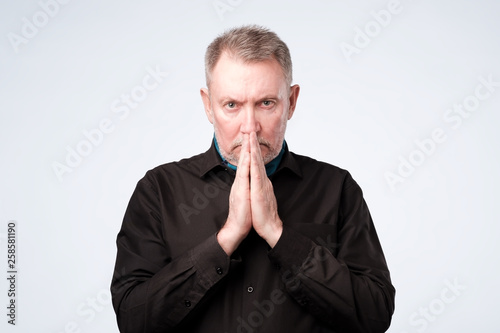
(250, 122)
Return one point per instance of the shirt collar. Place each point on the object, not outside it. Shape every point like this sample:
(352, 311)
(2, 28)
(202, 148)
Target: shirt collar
(212, 160)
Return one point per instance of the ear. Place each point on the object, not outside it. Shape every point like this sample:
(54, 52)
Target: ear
(205, 97)
(294, 95)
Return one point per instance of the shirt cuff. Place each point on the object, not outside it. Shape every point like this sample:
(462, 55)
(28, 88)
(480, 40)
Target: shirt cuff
(211, 261)
(210, 264)
(292, 249)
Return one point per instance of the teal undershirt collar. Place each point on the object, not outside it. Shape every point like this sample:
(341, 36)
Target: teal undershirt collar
(270, 167)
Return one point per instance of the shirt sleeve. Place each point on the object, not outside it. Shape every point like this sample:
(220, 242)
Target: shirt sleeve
(346, 285)
(151, 291)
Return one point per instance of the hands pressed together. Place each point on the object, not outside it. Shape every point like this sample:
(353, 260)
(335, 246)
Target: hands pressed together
(252, 202)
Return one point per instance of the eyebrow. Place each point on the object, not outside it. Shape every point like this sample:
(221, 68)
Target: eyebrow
(264, 98)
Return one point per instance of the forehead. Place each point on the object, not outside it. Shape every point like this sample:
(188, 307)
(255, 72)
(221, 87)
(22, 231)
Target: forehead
(234, 76)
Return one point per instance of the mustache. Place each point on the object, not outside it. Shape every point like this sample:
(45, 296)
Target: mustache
(238, 142)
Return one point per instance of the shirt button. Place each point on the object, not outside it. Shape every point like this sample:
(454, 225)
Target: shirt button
(219, 270)
(250, 289)
(187, 303)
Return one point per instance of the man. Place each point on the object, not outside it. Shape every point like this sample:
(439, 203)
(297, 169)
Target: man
(249, 237)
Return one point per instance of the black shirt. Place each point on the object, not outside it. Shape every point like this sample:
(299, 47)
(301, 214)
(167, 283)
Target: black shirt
(327, 273)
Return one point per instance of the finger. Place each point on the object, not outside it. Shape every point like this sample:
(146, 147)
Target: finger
(243, 170)
(246, 143)
(244, 148)
(257, 167)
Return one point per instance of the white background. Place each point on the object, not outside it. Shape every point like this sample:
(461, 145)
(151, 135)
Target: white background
(361, 111)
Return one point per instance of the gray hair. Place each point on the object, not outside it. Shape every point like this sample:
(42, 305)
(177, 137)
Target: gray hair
(249, 43)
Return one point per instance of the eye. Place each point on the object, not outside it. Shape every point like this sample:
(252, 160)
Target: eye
(231, 105)
(267, 103)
